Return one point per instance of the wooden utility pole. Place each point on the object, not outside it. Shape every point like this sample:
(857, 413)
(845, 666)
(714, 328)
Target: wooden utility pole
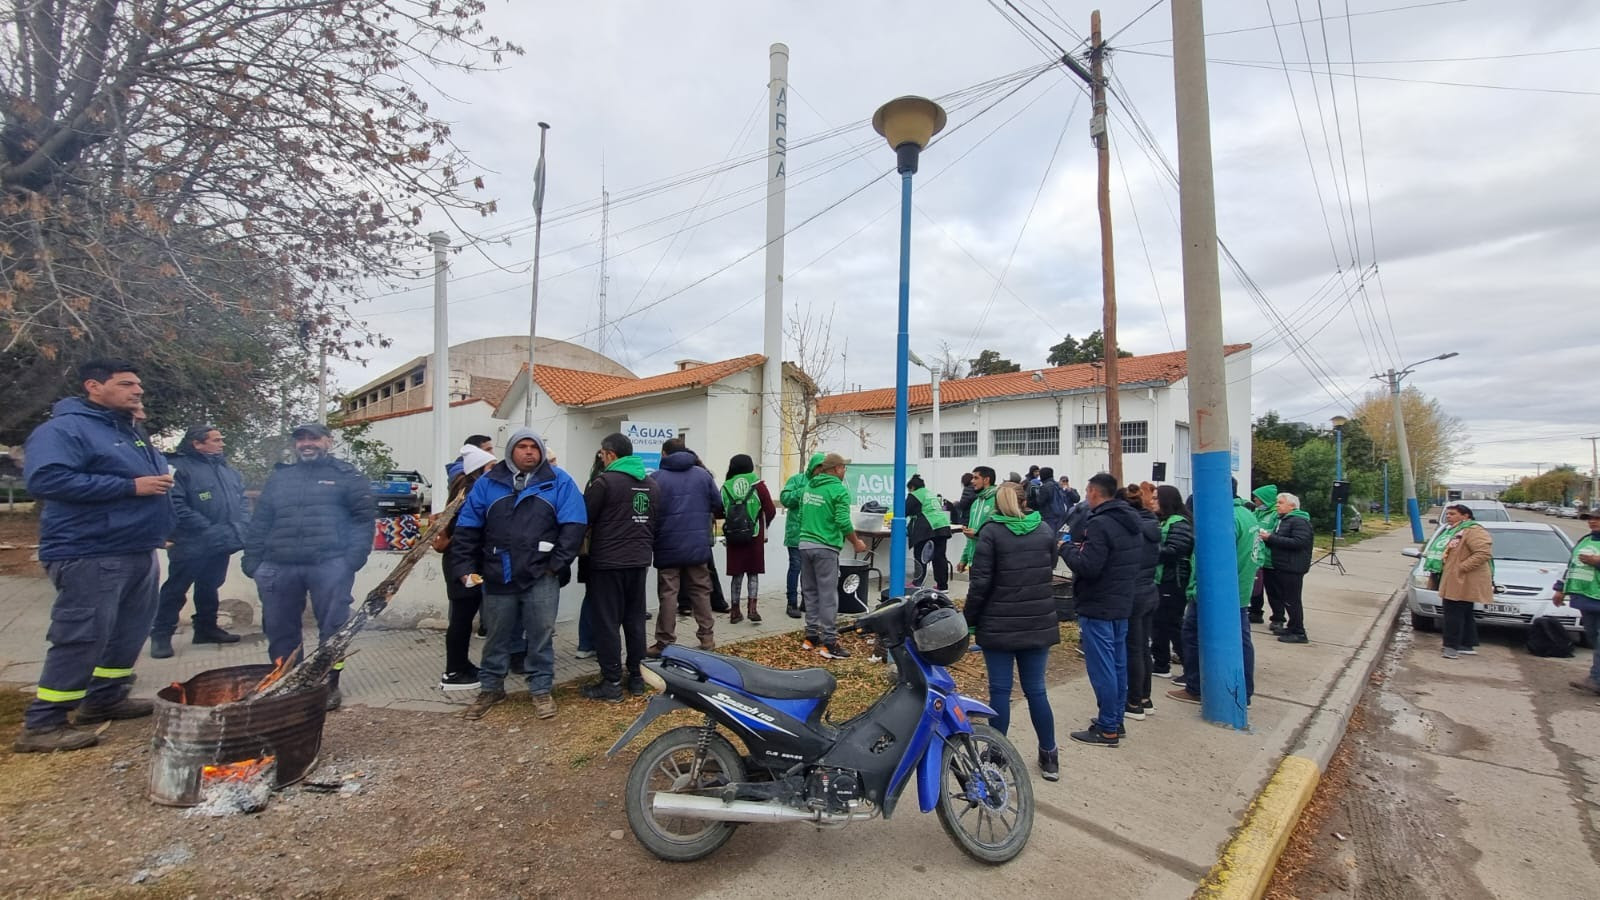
(1108, 271)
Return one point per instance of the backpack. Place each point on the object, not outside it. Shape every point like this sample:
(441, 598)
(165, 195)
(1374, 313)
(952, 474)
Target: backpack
(1547, 637)
(739, 527)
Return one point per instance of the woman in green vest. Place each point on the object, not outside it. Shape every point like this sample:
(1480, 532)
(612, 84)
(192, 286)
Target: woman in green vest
(1581, 586)
(929, 533)
(748, 512)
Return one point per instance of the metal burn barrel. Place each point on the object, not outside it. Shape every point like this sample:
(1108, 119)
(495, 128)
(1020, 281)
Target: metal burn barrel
(201, 723)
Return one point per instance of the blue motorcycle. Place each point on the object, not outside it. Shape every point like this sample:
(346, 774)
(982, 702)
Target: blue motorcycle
(691, 788)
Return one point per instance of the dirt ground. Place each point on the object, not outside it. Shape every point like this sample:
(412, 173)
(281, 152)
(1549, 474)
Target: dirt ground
(423, 805)
(19, 543)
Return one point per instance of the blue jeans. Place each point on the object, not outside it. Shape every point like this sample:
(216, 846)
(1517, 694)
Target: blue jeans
(1030, 665)
(504, 615)
(1105, 656)
(1191, 651)
(283, 588)
(792, 580)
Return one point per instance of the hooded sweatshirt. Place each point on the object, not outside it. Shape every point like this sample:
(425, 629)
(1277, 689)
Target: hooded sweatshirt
(82, 464)
(621, 504)
(1266, 517)
(1289, 545)
(793, 491)
(512, 538)
(825, 512)
(982, 509)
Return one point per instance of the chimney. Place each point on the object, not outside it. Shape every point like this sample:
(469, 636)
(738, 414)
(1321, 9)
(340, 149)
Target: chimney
(685, 365)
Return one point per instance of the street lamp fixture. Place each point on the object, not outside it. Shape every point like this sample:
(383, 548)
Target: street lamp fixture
(1392, 378)
(908, 124)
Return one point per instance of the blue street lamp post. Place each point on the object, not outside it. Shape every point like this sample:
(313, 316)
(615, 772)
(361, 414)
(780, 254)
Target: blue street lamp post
(1386, 491)
(1338, 472)
(907, 123)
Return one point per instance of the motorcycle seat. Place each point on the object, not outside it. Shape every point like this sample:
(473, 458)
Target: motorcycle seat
(776, 684)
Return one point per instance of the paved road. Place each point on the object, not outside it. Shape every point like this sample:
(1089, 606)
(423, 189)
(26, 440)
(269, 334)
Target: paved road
(1477, 777)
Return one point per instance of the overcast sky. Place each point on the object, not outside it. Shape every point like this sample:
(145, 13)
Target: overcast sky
(1483, 204)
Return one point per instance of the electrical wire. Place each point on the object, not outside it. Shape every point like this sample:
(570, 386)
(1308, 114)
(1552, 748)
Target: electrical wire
(1246, 64)
(1370, 12)
(1148, 10)
(1155, 284)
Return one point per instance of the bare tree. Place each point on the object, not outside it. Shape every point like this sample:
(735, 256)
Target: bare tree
(811, 335)
(951, 366)
(159, 159)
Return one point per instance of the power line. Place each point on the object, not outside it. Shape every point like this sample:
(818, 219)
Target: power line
(1370, 12)
(1148, 10)
(1155, 285)
(1035, 27)
(1246, 64)
(1366, 185)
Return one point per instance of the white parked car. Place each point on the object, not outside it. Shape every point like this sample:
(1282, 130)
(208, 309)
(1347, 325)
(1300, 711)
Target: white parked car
(1529, 558)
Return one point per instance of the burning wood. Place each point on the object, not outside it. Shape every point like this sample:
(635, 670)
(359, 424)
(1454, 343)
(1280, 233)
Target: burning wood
(282, 668)
(314, 670)
(234, 788)
(244, 770)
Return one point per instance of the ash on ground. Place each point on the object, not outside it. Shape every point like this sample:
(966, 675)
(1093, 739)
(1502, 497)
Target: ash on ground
(232, 796)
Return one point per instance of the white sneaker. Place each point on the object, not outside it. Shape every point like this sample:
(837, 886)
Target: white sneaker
(1467, 652)
(583, 654)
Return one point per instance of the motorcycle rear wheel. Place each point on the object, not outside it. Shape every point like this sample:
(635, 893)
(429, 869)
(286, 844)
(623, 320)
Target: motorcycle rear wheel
(665, 766)
(993, 830)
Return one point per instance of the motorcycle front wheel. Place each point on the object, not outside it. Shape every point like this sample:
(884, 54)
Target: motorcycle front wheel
(667, 765)
(986, 796)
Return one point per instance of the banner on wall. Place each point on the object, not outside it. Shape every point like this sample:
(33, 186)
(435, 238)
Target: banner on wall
(868, 481)
(647, 438)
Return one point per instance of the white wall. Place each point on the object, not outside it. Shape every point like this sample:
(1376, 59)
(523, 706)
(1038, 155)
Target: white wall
(410, 437)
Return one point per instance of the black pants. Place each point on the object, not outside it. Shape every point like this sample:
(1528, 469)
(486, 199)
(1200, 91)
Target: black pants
(1166, 628)
(205, 574)
(616, 600)
(940, 561)
(1460, 625)
(1144, 608)
(464, 603)
(1263, 595)
(1284, 593)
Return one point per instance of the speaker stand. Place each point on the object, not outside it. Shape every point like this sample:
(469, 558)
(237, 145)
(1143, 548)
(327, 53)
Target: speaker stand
(1332, 556)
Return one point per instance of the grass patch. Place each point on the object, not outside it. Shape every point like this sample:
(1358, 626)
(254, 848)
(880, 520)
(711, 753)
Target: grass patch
(1370, 528)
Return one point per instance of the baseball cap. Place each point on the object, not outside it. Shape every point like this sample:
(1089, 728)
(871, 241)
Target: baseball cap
(315, 429)
(1590, 513)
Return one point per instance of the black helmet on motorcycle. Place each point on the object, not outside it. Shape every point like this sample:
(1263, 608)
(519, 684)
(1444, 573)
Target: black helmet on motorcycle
(938, 630)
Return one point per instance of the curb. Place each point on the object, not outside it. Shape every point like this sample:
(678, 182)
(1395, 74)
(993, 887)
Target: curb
(1248, 860)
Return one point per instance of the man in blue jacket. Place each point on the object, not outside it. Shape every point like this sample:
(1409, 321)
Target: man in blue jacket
(310, 534)
(106, 511)
(1105, 556)
(687, 502)
(521, 525)
(208, 497)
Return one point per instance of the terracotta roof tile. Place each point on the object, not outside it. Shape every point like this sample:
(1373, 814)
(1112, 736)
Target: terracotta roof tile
(486, 388)
(571, 387)
(1158, 368)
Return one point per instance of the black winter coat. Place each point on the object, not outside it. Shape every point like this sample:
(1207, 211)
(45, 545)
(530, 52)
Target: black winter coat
(687, 499)
(1145, 596)
(309, 512)
(622, 520)
(1291, 545)
(962, 512)
(1105, 557)
(1177, 554)
(208, 496)
(1009, 599)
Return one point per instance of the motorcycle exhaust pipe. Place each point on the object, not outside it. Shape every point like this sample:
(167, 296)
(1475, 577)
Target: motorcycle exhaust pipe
(695, 806)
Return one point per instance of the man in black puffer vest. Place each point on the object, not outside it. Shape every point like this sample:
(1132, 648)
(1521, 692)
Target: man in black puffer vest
(310, 534)
(1105, 556)
(208, 495)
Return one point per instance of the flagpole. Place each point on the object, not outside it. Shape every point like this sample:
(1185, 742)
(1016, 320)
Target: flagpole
(533, 312)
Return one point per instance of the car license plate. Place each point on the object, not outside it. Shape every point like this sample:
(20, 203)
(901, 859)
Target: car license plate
(1504, 609)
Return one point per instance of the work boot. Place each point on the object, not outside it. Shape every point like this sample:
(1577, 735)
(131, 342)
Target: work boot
(160, 646)
(126, 708)
(1050, 764)
(49, 740)
(736, 616)
(636, 685)
(335, 700)
(793, 610)
(210, 633)
(607, 691)
(481, 706)
(544, 706)
(755, 617)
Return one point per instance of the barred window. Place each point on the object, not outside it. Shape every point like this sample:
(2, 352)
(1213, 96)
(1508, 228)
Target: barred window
(952, 444)
(1026, 441)
(1135, 436)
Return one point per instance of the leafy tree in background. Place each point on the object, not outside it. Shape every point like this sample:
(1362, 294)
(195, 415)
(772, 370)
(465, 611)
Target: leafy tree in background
(1272, 462)
(990, 362)
(1090, 349)
(1437, 440)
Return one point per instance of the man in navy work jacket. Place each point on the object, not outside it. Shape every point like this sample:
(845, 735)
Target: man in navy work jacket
(687, 501)
(208, 496)
(106, 511)
(310, 534)
(522, 523)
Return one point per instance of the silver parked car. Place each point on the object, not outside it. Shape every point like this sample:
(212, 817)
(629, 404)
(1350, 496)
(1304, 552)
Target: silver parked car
(1529, 557)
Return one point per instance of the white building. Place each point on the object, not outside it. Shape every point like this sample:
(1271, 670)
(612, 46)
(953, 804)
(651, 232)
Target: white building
(1048, 417)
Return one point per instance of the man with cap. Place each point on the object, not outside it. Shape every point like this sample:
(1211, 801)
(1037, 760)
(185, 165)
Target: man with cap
(1580, 586)
(106, 511)
(793, 490)
(310, 534)
(208, 496)
(522, 523)
(825, 525)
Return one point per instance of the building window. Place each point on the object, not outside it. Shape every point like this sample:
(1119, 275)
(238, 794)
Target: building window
(416, 378)
(400, 386)
(1135, 436)
(1026, 441)
(952, 444)
(386, 392)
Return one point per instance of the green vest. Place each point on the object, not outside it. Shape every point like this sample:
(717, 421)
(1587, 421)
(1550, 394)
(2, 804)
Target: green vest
(1166, 526)
(932, 510)
(1583, 578)
(982, 509)
(742, 489)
